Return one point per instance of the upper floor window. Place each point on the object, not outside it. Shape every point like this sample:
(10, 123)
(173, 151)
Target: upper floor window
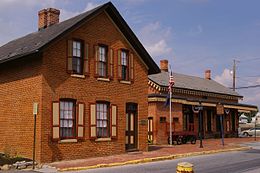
(77, 59)
(102, 61)
(67, 119)
(125, 66)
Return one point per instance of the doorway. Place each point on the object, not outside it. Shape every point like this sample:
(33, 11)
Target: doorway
(150, 129)
(131, 126)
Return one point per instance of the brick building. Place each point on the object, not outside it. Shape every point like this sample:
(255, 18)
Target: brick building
(88, 74)
(188, 93)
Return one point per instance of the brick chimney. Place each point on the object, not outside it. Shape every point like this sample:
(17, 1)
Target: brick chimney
(164, 65)
(208, 74)
(48, 17)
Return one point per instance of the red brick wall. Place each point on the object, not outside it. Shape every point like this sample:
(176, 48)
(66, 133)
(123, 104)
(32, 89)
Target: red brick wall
(157, 110)
(20, 87)
(58, 84)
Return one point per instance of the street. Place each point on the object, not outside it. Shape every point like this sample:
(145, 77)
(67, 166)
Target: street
(230, 162)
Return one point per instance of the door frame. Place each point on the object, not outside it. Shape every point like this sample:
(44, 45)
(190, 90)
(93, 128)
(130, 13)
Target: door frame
(132, 108)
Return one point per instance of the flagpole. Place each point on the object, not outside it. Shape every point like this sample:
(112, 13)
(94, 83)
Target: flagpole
(170, 117)
(170, 90)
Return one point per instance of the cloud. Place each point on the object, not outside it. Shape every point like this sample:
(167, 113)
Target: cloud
(26, 3)
(65, 14)
(155, 39)
(18, 13)
(251, 95)
(225, 78)
(159, 48)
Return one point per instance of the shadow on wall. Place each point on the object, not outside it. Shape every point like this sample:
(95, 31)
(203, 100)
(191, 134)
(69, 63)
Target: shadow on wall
(21, 68)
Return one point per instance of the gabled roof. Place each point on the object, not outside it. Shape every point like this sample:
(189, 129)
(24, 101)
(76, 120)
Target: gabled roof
(37, 41)
(192, 83)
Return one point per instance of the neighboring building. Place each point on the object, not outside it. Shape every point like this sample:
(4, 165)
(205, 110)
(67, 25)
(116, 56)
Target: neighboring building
(256, 119)
(89, 75)
(243, 119)
(188, 92)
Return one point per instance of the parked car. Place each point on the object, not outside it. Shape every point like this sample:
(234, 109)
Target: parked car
(251, 132)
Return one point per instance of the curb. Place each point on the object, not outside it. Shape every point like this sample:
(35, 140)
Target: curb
(154, 159)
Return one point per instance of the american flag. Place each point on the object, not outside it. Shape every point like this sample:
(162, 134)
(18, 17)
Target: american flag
(171, 83)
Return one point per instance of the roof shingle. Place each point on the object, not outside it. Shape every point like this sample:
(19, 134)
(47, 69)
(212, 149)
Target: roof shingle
(192, 83)
(36, 41)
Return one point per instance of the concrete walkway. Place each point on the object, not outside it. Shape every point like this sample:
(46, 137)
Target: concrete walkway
(155, 153)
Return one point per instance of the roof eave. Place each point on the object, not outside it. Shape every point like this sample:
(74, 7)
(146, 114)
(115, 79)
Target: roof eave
(238, 96)
(19, 56)
(126, 30)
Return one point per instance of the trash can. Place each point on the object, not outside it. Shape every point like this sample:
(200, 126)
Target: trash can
(184, 167)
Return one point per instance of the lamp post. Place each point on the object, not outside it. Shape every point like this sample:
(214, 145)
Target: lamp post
(200, 123)
(255, 127)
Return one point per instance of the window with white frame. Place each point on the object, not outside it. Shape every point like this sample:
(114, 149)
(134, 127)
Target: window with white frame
(102, 61)
(124, 63)
(77, 60)
(67, 119)
(102, 113)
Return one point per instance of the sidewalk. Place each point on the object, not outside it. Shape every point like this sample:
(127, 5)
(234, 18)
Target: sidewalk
(155, 153)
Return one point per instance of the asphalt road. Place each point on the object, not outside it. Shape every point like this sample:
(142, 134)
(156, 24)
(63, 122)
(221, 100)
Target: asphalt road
(231, 162)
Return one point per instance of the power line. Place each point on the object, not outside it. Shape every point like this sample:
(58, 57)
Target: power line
(249, 76)
(248, 87)
(251, 59)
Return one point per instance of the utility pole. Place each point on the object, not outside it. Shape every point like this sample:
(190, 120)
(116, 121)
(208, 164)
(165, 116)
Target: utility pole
(234, 75)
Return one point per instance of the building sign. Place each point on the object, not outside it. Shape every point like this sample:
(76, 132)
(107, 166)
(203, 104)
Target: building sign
(143, 122)
(35, 108)
(220, 109)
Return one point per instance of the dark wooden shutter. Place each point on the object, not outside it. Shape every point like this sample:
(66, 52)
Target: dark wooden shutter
(86, 59)
(111, 63)
(93, 122)
(114, 121)
(96, 53)
(119, 70)
(70, 56)
(80, 120)
(55, 120)
(131, 67)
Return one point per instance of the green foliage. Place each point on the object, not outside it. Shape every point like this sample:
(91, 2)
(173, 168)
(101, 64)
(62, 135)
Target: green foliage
(7, 159)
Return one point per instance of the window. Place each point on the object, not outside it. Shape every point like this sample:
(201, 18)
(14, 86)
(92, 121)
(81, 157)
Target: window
(102, 61)
(162, 119)
(175, 119)
(77, 60)
(67, 119)
(124, 61)
(103, 120)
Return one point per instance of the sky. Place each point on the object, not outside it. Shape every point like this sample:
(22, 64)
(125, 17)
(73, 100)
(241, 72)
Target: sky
(194, 35)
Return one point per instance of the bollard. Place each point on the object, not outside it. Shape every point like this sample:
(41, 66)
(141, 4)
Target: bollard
(184, 167)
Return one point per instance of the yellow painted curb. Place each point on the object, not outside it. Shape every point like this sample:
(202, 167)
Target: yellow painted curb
(146, 160)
